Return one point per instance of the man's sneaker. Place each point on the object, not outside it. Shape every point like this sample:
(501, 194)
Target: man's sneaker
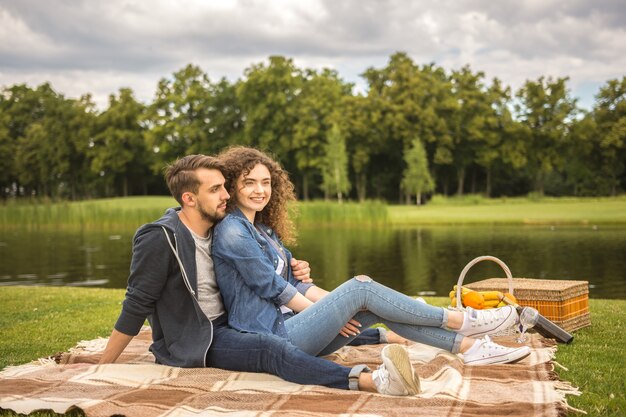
(396, 375)
(486, 352)
(489, 321)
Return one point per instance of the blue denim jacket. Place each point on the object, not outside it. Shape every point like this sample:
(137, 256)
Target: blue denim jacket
(245, 267)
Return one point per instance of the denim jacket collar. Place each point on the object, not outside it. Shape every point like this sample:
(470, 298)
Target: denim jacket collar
(238, 213)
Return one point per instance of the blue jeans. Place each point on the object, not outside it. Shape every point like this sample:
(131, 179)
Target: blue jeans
(315, 330)
(253, 352)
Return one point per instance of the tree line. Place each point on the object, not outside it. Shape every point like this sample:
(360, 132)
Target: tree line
(416, 130)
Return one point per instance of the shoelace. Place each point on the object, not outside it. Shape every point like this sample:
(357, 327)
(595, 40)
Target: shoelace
(488, 316)
(489, 344)
(382, 377)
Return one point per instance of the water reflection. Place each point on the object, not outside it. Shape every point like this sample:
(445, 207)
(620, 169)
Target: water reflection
(415, 260)
(64, 258)
(421, 260)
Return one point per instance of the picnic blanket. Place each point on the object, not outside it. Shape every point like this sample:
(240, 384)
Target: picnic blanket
(136, 386)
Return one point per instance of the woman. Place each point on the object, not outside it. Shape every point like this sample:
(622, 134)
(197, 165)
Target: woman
(261, 295)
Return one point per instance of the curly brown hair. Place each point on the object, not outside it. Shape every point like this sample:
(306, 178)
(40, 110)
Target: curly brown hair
(240, 160)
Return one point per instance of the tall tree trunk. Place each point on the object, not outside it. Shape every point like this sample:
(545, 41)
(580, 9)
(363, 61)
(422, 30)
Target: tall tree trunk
(460, 173)
(488, 180)
(539, 188)
(614, 186)
(473, 181)
(418, 198)
(125, 186)
(339, 194)
(305, 186)
(361, 187)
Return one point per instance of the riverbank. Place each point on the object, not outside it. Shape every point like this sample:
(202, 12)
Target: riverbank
(514, 211)
(126, 212)
(39, 321)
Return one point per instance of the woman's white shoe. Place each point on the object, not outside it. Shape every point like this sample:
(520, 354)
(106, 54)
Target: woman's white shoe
(486, 352)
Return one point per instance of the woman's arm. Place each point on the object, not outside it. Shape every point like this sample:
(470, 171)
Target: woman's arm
(239, 256)
(315, 293)
(299, 302)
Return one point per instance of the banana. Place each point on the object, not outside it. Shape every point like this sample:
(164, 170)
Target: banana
(492, 303)
(511, 297)
(464, 290)
(479, 299)
(492, 295)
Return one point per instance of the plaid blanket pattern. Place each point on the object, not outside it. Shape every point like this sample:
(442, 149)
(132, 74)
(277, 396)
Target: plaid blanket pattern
(136, 386)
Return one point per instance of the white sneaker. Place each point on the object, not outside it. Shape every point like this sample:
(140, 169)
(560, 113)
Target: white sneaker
(491, 320)
(486, 352)
(396, 375)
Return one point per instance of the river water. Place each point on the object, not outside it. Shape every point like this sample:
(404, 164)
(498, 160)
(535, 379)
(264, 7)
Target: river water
(414, 260)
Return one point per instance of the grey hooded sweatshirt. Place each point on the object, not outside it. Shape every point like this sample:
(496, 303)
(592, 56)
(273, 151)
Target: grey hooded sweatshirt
(162, 287)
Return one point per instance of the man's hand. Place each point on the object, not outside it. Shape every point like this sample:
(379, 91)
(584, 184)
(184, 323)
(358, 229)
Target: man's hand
(350, 329)
(301, 270)
(115, 346)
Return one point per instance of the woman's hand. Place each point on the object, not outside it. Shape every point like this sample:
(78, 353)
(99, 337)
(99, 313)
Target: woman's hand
(301, 270)
(351, 328)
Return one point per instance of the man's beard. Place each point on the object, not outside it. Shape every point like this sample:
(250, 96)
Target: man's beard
(211, 217)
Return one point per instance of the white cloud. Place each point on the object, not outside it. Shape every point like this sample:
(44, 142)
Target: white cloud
(98, 47)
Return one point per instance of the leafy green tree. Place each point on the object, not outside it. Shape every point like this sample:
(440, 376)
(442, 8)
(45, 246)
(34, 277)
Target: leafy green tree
(335, 165)
(416, 179)
(7, 152)
(360, 127)
(223, 119)
(268, 97)
(118, 151)
(545, 110)
(20, 106)
(584, 165)
(318, 107)
(49, 158)
(610, 117)
(408, 101)
(468, 123)
(177, 119)
(497, 140)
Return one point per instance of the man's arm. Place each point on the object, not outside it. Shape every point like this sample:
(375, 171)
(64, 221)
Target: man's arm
(148, 274)
(115, 346)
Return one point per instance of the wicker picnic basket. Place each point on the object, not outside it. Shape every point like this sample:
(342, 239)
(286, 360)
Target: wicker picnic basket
(564, 302)
(459, 284)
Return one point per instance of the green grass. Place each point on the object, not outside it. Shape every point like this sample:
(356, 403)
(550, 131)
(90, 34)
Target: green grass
(595, 359)
(522, 211)
(39, 321)
(111, 213)
(322, 212)
(120, 213)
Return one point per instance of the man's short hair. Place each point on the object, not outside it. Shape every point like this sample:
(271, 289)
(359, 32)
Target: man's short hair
(181, 176)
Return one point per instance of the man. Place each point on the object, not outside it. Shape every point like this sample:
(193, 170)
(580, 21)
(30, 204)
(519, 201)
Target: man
(173, 285)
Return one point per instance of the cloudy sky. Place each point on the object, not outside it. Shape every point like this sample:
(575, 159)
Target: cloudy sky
(94, 46)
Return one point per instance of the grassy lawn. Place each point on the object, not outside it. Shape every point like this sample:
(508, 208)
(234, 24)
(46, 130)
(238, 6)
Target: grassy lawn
(39, 321)
(513, 211)
(133, 211)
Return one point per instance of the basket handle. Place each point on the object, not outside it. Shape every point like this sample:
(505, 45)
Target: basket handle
(473, 262)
